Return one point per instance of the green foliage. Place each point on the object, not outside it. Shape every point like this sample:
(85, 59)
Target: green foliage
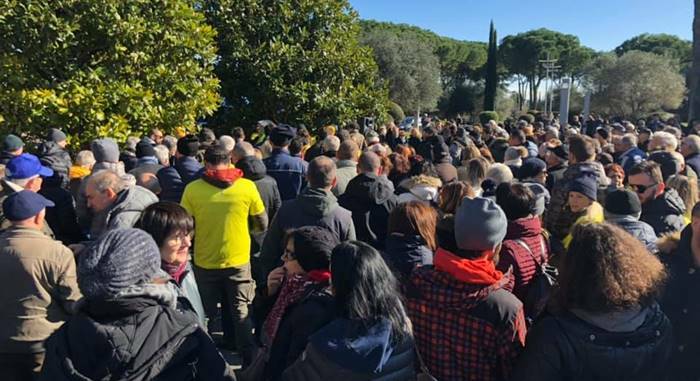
(396, 112)
(459, 60)
(104, 68)
(528, 117)
(409, 67)
(491, 71)
(662, 44)
(293, 61)
(485, 116)
(635, 84)
(462, 99)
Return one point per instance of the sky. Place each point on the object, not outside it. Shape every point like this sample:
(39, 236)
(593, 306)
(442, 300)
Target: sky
(599, 24)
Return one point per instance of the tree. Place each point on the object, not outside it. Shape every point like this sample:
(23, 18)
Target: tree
(661, 44)
(410, 69)
(521, 54)
(462, 99)
(635, 84)
(293, 61)
(694, 93)
(491, 71)
(100, 68)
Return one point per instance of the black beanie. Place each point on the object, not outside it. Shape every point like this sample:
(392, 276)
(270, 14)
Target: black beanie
(188, 145)
(144, 149)
(313, 246)
(623, 203)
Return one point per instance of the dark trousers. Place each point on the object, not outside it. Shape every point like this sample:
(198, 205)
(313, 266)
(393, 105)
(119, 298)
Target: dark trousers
(20, 366)
(234, 289)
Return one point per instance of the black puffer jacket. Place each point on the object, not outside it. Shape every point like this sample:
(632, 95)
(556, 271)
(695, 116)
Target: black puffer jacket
(131, 339)
(565, 347)
(56, 158)
(665, 213)
(371, 199)
(404, 253)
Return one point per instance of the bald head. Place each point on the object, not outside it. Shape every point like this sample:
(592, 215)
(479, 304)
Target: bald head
(369, 163)
(348, 150)
(321, 173)
(241, 150)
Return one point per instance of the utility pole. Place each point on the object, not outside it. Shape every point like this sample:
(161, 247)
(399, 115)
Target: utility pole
(550, 66)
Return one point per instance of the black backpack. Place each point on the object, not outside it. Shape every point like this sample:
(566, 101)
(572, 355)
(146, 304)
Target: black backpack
(541, 285)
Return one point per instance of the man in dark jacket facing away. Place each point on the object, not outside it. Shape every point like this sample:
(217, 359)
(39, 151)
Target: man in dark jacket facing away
(662, 207)
(287, 170)
(622, 208)
(370, 197)
(186, 169)
(52, 154)
(681, 255)
(466, 325)
(316, 206)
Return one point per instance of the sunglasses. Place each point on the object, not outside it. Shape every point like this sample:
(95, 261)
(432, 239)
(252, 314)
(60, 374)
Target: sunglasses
(641, 188)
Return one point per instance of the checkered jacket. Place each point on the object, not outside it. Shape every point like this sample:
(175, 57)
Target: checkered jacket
(465, 332)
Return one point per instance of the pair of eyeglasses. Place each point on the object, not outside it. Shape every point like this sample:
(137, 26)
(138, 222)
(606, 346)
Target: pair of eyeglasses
(641, 188)
(288, 255)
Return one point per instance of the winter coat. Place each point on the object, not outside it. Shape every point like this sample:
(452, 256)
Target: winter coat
(464, 331)
(693, 161)
(288, 171)
(5, 157)
(62, 217)
(405, 253)
(638, 229)
(347, 350)
(129, 159)
(630, 158)
(255, 171)
(56, 158)
(664, 213)
(555, 175)
(300, 321)
(175, 178)
(346, 171)
(680, 303)
(189, 289)
(524, 267)
(125, 211)
(134, 338)
(313, 207)
(558, 219)
(567, 347)
(370, 199)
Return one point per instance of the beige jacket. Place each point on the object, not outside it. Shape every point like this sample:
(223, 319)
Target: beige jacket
(39, 289)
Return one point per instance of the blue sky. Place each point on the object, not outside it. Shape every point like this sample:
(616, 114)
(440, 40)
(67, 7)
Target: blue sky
(599, 24)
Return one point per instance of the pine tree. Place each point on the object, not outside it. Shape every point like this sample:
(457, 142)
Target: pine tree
(491, 72)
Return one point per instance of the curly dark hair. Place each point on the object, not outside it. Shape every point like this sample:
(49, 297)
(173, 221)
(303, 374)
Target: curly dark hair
(606, 270)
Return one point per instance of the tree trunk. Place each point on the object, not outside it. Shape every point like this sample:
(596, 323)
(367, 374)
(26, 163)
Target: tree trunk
(694, 93)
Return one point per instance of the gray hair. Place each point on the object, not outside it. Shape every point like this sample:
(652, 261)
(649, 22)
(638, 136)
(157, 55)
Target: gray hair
(693, 142)
(630, 140)
(499, 173)
(243, 149)
(163, 154)
(131, 143)
(85, 158)
(664, 141)
(369, 162)
(170, 142)
(106, 179)
(228, 142)
(331, 143)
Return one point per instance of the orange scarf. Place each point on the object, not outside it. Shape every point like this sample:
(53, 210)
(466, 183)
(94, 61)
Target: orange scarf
(481, 271)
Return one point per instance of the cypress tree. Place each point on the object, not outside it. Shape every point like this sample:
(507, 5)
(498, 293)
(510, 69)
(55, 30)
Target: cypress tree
(491, 72)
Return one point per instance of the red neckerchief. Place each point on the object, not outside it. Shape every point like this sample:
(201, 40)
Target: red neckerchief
(481, 271)
(319, 276)
(175, 271)
(222, 177)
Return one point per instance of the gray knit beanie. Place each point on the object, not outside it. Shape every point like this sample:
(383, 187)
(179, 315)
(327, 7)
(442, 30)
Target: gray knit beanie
(480, 224)
(118, 259)
(105, 150)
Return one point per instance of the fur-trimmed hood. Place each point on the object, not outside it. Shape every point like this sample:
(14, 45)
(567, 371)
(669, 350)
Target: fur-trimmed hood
(668, 243)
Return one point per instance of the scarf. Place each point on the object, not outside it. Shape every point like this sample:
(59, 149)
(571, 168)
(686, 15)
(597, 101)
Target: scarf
(481, 271)
(78, 172)
(222, 178)
(293, 289)
(175, 271)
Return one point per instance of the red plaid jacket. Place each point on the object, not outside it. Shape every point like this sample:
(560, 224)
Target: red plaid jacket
(465, 332)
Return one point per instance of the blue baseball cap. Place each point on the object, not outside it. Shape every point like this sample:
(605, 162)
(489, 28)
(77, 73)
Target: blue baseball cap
(24, 204)
(26, 166)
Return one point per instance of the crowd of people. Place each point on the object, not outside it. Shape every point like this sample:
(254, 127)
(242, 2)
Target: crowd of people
(522, 250)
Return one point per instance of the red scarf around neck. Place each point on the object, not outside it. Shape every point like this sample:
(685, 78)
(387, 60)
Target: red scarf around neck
(481, 271)
(223, 176)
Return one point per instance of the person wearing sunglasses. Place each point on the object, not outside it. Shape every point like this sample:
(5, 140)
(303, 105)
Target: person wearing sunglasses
(662, 207)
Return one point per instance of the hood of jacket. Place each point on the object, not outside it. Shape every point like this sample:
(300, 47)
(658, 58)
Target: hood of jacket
(252, 167)
(524, 227)
(369, 188)
(133, 199)
(355, 346)
(446, 292)
(124, 338)
(50, 149)
(346, 164)
(669, 203)
(317, 202)
(404, 252)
